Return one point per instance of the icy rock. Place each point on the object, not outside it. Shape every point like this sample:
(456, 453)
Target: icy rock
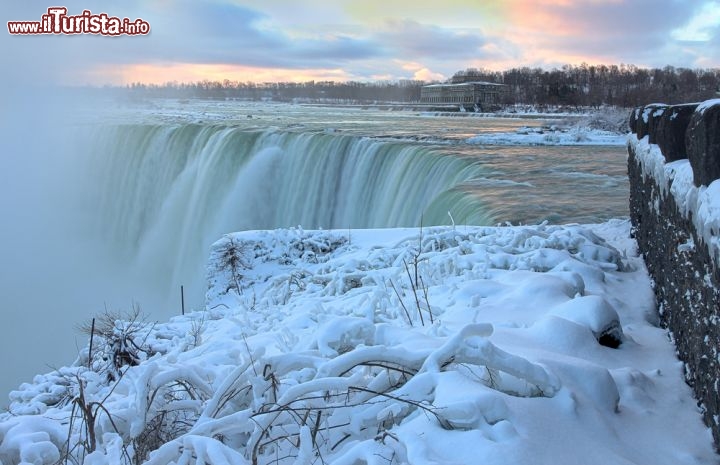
(670, 131)
(647, 120)
(703, 143)
(632, 121)
(654, 116)
(634, 116)
(596, 314)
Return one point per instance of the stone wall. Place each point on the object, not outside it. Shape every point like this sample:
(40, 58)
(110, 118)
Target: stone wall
(674, 160)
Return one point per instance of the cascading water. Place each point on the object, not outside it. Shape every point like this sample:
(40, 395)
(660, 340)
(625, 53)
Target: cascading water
(163, 194)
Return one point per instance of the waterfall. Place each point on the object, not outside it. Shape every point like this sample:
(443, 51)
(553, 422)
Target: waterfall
(160, 195)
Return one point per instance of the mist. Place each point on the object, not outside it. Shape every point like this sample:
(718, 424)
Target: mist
(54, 272)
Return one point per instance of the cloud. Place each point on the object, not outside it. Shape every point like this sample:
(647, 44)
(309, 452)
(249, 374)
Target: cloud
(182, 31)
(707, 55)
(233, 34)
(346, 40)
(420, 71)
(412, 39)
(605, 17)
(613, 30)
(332, 49)
(468, 14)
(192, 72)
(701, 26)
(425, 74)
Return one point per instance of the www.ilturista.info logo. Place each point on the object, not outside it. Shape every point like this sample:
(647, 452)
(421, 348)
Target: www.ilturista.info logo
(57, 21)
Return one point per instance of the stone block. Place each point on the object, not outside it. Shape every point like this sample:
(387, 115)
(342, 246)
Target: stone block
(632, 121)
(702, 142)
(647, 120)
(670, 131)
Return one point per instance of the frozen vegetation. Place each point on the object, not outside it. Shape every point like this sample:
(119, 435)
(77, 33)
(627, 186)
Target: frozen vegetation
(551, 135)
(600, 127)
(452, 345)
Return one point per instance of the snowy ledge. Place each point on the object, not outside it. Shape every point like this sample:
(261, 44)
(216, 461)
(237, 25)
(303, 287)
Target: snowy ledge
(701, 204)
(509, 345)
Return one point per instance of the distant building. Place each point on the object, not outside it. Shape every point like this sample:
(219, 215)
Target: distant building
(467, 94)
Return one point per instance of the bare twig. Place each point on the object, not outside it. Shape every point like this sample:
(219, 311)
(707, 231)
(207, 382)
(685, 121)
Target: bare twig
(427, 301)
(92, 334)
(413, 285)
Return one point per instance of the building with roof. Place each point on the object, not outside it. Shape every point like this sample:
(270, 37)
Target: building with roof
(466, 94)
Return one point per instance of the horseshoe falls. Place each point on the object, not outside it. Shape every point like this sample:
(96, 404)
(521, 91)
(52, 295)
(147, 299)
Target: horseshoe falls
(111, 211)
(161, 195)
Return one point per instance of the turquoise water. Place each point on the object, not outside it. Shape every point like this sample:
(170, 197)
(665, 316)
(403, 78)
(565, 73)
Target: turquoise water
(157, 192)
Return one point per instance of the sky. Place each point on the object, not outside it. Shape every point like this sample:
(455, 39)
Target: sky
(362, 40)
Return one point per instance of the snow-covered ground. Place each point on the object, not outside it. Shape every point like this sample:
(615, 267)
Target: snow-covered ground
(507, 345)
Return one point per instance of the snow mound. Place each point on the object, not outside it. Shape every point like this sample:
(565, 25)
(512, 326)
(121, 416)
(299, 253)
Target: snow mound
(441, 345)
(596, 314)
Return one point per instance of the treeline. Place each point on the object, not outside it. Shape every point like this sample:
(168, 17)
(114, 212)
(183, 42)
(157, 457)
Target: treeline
(314, 91)
(589, 85)
(583, 85)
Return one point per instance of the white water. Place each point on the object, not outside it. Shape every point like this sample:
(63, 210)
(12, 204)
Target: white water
(128, 212)
(163, 194)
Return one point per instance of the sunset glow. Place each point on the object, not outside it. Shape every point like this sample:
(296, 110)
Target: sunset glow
(280, 40)
(189, 72)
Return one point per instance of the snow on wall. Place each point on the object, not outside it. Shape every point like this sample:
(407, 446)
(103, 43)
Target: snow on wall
(676, 221)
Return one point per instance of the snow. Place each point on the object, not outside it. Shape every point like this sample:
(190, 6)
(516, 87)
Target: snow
(707, 104)
(657, 109)
(699, 204)
(553, 135)
(448, 345)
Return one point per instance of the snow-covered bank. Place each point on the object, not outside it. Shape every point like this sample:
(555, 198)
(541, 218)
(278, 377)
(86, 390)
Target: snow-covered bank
(446, 345)
(551, 135)
(606, 126)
